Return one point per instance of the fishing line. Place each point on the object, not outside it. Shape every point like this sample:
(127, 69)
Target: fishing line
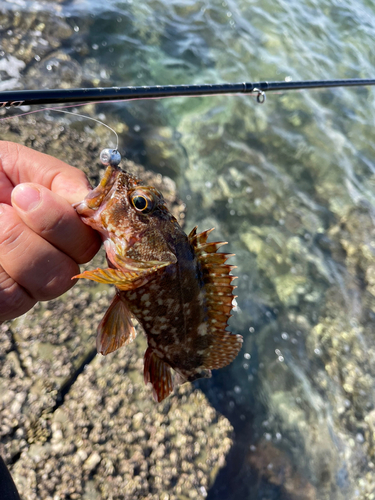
(88, 117)
(57, 110)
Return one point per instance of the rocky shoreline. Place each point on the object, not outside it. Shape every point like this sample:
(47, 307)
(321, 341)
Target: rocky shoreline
(74, 424)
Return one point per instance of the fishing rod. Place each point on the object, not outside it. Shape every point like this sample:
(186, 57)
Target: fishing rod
(18, 98)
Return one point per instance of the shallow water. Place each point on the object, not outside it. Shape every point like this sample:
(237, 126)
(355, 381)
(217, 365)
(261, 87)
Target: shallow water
(289, 184)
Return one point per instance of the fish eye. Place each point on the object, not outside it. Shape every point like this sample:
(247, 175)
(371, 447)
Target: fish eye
(142, 203)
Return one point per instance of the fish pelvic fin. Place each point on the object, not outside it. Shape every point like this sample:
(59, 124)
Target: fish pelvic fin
(159, 374)
(116, 328)
(123, 280)
(223, 346)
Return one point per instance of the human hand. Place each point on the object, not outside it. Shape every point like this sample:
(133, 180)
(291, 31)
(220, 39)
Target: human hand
(42, 239)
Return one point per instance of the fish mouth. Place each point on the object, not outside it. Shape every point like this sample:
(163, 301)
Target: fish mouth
(98, 196)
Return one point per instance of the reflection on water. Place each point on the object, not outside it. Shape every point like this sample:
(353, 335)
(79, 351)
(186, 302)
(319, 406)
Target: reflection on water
(290, 186)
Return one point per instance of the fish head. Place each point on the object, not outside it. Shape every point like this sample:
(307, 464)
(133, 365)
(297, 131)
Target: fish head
(132, 218)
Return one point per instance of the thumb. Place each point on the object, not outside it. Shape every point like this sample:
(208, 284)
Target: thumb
(55, 220)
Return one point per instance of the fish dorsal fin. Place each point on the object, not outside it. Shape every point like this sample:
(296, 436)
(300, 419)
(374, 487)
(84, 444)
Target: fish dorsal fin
(224, 346)
(192, 233)
(198, 239)
(115, 329)
(159, 374)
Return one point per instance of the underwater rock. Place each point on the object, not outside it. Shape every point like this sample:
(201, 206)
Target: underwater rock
(56, 70)
(30, 36)
(304, 240)
(275, 465)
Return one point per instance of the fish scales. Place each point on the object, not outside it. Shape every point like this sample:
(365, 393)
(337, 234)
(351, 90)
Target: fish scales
(176, 286)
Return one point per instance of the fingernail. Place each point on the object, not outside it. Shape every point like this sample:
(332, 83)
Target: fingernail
(26, 197)
(1, 209)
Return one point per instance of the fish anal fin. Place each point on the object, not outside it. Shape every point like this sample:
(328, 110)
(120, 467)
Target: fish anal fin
(116, 328)
(223, 349)
(159, 374)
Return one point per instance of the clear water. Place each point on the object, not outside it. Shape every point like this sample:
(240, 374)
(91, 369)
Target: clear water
(290, 185)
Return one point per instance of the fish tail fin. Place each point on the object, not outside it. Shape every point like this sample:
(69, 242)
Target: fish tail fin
(115, 329)
(158, 373)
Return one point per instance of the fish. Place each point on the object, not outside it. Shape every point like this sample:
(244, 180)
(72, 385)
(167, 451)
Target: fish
(177, 286)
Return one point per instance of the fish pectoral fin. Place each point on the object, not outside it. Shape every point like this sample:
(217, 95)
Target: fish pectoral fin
(108, 276)
(121, 279)
(116, 328)
(158, 373)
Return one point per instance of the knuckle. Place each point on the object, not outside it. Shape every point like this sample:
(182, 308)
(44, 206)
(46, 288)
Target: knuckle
(14, 300)
(9, 156)
(55, 224)
(89, 251)
(57, 281)
(11, 236)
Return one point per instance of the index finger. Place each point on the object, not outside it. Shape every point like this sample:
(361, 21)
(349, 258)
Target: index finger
(21, 164)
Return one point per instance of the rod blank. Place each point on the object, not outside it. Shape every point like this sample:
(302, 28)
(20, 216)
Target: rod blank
(18, 98)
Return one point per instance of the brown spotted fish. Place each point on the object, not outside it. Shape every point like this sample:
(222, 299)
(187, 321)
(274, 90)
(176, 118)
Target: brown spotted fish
(176, 286)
